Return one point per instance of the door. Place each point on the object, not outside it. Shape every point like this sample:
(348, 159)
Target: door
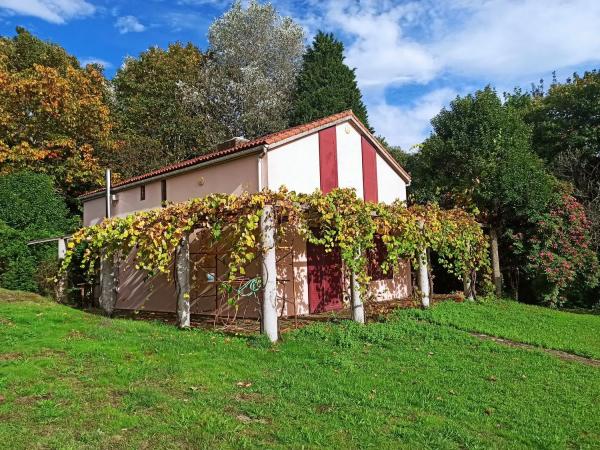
(324, 279)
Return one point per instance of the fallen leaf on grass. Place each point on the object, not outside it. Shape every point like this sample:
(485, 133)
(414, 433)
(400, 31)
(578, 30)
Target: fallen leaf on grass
(245, 419)
(243, 384)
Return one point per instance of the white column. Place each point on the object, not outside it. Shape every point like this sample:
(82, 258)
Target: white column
(358, 309)
(424, 278)
(62, 249)
(269, 325)
(182, 280)
(60, 290)
(108, 288)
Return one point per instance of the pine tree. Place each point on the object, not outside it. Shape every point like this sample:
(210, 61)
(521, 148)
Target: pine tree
(326, 85)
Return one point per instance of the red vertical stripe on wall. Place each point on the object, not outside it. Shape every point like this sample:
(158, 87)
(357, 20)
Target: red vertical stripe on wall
(328, 159)
(369, 170)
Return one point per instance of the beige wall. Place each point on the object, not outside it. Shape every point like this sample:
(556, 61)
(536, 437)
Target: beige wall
(231, 177)
(94, 211)
(139, 291)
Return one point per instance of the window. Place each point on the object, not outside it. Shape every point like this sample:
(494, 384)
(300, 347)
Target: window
(142, 192)
(376, 257)
(163, 191)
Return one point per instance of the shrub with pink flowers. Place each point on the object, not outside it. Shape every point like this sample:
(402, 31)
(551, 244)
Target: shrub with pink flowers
(559, 250)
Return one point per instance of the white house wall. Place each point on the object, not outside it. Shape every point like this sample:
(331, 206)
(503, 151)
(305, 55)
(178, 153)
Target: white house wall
(389, 184)
(349, 158)
(295, 165)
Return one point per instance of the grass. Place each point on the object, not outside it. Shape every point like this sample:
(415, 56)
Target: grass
(69, 379)
(571, 332)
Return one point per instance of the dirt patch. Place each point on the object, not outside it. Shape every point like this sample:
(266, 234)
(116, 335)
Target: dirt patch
(32, 399)
(10, 356)
(566, 356)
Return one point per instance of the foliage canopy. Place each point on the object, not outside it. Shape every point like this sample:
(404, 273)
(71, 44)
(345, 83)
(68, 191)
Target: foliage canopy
(54, 115)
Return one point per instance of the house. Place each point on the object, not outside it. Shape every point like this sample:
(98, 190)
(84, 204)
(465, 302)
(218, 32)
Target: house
(336, 151)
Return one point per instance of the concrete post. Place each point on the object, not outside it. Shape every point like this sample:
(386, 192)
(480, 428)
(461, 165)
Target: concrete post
(358, 309)
(108, 288)
(62, 280)
(182, 280)
(424, 278)
(269, 325)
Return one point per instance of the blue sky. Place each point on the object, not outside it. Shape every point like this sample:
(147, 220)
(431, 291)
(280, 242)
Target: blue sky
(412, 57)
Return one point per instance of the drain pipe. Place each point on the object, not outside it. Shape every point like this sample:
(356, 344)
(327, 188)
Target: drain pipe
(108, 194)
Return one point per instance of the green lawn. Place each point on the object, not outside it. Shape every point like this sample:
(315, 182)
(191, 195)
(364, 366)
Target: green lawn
(69, 379)
(571, 332)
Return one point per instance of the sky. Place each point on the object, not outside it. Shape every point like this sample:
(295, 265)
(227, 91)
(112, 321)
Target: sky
(411, 57)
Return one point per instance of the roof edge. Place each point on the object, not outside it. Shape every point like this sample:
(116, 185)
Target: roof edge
(159, 176)
(272, 140)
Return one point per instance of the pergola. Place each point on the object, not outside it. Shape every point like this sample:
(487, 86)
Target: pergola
(408, 232)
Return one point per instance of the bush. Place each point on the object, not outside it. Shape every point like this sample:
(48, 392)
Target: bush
(30, 208)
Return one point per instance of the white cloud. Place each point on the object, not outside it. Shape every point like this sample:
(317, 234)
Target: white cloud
(454, 43)
(93, 60)
(54, 11)
(408, 125)
(502, 38)
(380, 50)
(129, 24)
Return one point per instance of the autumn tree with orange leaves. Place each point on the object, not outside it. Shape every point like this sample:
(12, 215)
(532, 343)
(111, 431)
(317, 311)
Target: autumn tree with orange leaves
(54, 114)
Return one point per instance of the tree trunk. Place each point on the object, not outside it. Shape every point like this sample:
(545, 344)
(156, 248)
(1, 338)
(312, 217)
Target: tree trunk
(496, 274)
(468, 287)
(269, 325)
(182, 278)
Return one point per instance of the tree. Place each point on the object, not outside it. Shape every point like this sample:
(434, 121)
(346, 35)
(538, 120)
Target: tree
(30, 208)
(566, 124)
(155, 127)
(479, 156)
(54, 116)
(326, 85)
(254, 57)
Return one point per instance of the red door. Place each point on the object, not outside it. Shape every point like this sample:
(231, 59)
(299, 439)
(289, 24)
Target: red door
(324, 279)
